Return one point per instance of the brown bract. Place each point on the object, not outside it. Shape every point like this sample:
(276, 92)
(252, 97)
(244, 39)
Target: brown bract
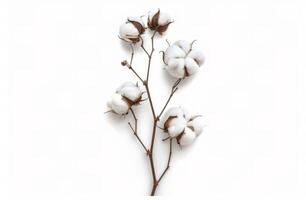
(155, 26)
(138, 26)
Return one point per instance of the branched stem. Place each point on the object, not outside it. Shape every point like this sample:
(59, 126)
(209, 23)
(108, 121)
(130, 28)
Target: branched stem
(155, 117)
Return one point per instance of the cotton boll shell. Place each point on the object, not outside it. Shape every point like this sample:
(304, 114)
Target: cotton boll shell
(118, 105)
(173, 52)
(197, 124)
(184, 45)
(187, 137)
(191, 66)
(176, 126)
(197, 56)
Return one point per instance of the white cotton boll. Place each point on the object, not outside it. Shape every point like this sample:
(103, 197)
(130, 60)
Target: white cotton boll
(175, 67)
(132, 93)
(184, 45)
(188, 137)
(173, 52)
(164, 19)
(197, 124)
(198, 56)
(176, 126)
(128, 32)
(118, 105)
(173, 112)
(191, 66)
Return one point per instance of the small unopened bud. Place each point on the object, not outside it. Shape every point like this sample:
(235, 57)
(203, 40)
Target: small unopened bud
(124, 63)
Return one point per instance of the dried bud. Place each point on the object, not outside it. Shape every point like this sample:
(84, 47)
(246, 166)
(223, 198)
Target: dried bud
(124, 63)
(132, 29)
(159, 21)
(180, 125)
(181, 60)
(127, 95)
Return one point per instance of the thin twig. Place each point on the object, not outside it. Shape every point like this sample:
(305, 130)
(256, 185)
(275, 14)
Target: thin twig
(129, 65)
(142, 46)
(135, 130)
(132, 55)
(173, 90)
(168, 163)
(150, 56)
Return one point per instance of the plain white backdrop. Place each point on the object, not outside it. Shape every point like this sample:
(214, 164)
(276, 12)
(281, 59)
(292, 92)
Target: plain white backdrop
(60, 62)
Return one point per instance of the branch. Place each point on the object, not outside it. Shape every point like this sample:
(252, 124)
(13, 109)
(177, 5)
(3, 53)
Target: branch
(168, 163)
(150, 56)
(144, 49)
(129, 65)
(173, 90)
(135, 130)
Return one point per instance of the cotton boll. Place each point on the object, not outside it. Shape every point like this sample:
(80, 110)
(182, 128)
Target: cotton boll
(132, 29)
(175, 67)
(197, 124)
(173, 52)
(191, 66)
(184, 45)
(118, 105)
(129, 33)
(173, 112)
(197, 56)
(176, 126)
(164, 19)
(186, 114)
(174, 56)
(187, 137)
(131, 92)
(158, 21)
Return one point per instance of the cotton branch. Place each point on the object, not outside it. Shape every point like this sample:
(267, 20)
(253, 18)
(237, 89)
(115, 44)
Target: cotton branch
(135, 130)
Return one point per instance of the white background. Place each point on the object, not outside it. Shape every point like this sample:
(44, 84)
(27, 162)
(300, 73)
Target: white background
(60, 62)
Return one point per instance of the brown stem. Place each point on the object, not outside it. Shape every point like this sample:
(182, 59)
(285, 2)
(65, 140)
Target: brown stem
(129, 65)
(155, 118)
(135, 130)
(168, 163)
(165, 170)
(173, 90)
